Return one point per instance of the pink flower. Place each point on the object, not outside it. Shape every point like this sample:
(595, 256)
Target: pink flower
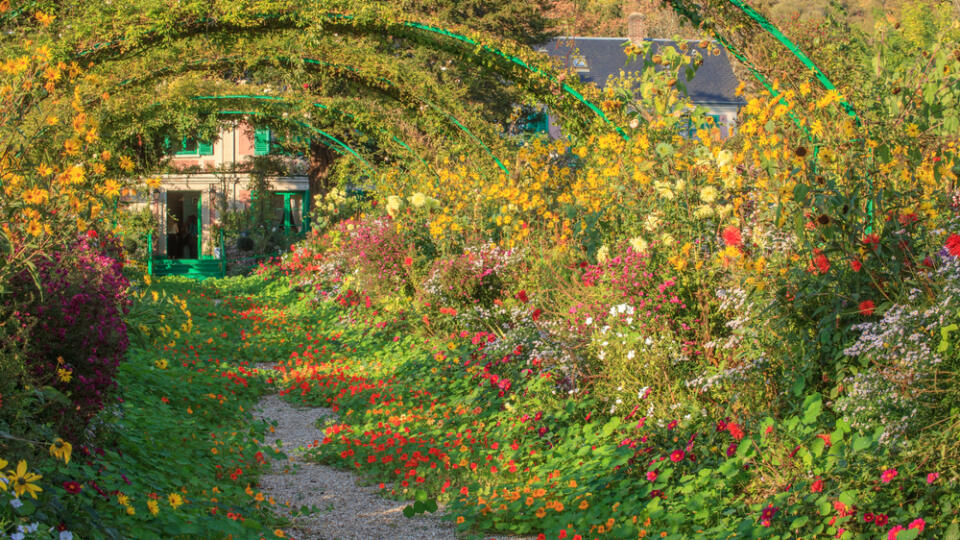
(888, 475)
(677, 455)
(672, 424)
(892, 535)
(918, 523)
(932, 477)
(652, 475)
(732, 449)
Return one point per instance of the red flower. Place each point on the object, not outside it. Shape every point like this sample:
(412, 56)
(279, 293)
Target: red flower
(871, 239)
(522, 296)
(817, 486)
(826, 439)
(408, 261)
(677, 455)
(735, 431)
(866, 308)
(881, 520)
(731, 236)
(953, 245)
(72, 487)
(856, 265)
(822, 263)
(868, 517)
(536, 314)
(91, 233)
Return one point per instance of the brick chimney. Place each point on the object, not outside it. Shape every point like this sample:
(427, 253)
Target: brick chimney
(636, 30)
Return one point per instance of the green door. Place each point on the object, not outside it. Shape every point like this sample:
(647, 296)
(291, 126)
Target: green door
(199, 226)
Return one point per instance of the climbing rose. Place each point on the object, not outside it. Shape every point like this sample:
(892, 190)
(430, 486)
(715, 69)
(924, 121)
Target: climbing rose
(953, 245)
(867, 307)
(888, 475)
(731, 236)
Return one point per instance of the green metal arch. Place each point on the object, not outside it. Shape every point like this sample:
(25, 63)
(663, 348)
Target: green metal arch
(314, 62)
(319, 105)
(345, 20)
(316, 130)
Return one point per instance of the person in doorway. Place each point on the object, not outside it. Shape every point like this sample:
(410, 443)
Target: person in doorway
(189, 241)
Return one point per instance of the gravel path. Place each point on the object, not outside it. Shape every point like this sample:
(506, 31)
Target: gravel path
(347, 511)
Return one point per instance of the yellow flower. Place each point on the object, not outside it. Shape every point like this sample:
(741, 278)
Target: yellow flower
(35, 196)
(60, 448)
(175, 500)
(666, 239)
(161, 363)
(123, 499)
(34, 228)
(22, 481)
(44, 18)
(153, 507)
(279, 533)
(153, 183)
(130, 511)
(126, 163)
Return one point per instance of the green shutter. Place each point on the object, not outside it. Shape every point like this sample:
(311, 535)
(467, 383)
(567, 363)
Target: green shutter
(206, 149)
(261, 142)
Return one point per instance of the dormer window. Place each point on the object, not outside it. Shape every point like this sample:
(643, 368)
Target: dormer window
(579, 63)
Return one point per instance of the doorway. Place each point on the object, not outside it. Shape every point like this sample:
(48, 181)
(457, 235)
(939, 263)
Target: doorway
(183, 224)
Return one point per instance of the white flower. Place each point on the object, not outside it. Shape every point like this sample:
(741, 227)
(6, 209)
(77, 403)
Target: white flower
(589, 321)
(630, 355)
(708, 194)
(652, 223)
(724, 157)
(603, 254)
(66, 535)
(418, 199)
(15, 503)
(666, 239)
(638, 244)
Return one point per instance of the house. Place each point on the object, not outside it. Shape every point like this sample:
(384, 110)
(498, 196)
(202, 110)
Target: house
(599, 59)
(188, 202)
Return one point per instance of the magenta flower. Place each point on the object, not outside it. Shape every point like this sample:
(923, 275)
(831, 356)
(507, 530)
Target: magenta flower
(892, 535)
(888, 475)
(932, 477)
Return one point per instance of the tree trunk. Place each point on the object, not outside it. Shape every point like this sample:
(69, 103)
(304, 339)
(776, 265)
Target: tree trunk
(322, 159)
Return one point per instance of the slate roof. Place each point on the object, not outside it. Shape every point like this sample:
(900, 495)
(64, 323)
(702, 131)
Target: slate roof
(714, 82)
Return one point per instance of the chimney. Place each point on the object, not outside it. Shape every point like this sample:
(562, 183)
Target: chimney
(635, 28)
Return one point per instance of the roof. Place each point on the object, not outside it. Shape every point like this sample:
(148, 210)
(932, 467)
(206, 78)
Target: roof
(714, 82)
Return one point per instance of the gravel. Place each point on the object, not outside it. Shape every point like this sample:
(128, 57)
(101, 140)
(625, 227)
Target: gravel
(345, 509)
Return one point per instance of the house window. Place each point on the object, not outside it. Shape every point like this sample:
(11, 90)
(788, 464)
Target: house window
(580, 64)
(190, 147)
(261, 142)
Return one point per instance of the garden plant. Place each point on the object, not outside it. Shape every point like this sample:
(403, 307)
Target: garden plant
(641, 329)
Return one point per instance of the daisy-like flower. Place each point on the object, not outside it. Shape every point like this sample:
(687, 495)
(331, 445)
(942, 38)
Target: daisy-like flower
(61, 449)
(23, 481)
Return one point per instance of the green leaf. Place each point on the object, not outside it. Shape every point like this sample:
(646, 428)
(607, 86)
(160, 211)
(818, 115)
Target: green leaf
(611, 425)
(799, 522)
(408, 511)
(861, 442)
(813, 405)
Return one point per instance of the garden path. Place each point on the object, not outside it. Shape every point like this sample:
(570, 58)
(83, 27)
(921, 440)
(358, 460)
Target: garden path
(347, 510)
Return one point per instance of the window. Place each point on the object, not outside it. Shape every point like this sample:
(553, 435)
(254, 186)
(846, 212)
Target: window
(190, 147)
(580, 64)
(261, 142)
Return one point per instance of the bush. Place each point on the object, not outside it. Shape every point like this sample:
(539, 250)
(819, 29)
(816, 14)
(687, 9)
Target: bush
(77, 336)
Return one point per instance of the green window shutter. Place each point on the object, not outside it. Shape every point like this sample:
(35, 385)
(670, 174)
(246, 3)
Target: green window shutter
(261, 142)
(206, 149)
